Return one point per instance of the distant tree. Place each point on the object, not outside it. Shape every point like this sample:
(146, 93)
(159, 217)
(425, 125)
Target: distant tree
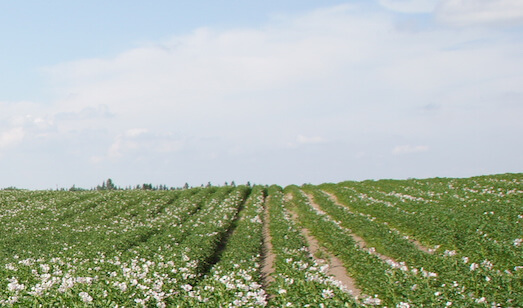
(226, 184)
(12, 188)
(74, 188)
(186, 186)
(209, 184)
(147, 186)
(110, 185)
(233, 184)
(248, 184)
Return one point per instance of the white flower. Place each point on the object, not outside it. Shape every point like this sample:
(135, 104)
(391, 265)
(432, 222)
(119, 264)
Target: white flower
(517, 242)
(86, 298)
(282, 291)
(487, 264)
(481, 300)
(26, 262)
(403, 305)
(67, 283)
(327, 293)
(474, 266)
(449, 253)
(12, 300)
(13, 285)
(372, 301)
(87, 280)
(45, 268)
(122, 286)
(140, 301)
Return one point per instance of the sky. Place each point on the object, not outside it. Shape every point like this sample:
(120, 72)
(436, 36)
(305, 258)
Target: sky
(271, 92)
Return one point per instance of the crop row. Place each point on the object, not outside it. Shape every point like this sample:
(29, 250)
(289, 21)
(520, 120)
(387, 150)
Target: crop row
(163, 244)
(299, 280)
(413, 243)
(445, 278)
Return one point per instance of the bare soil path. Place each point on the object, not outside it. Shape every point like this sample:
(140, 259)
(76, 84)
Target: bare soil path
(268, 256)
(359, 241)
(322, 256)
(418, 245)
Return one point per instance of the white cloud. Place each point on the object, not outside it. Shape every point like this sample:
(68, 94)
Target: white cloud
(409, 6)
(230, 100)
(302, 140)
(407, 149)
(139, 143)
(86, 113)
(195, 75)
(309, 140)
(135, 132)
(474, 12)
(11, 137)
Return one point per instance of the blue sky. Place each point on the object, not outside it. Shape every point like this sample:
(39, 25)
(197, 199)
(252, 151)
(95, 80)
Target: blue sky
(170, 92)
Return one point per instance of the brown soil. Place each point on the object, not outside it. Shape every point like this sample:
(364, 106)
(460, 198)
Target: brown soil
(359, 241)
(268, 256)
(335, 265)
(418, 245)
(336, 268)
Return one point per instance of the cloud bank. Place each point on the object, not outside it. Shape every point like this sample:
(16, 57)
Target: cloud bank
(406, 149)
(343, 85)
(476, 12)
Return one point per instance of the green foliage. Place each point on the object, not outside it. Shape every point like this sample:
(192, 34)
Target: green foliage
(202, 247)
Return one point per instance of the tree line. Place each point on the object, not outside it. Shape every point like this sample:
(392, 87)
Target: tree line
(110, 185)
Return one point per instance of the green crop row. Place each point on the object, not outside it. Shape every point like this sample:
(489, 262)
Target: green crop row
(410, 243)
(451, 271)
(235, 279)
(395, 283)
(299, 280)
(453, 221)
(148, 264)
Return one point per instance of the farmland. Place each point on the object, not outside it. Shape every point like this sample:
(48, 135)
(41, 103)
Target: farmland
(400, 243)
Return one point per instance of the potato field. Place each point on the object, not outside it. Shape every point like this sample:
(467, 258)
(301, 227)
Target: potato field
(389, 243)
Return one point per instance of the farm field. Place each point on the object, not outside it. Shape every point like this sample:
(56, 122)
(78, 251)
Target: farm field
(395, 243)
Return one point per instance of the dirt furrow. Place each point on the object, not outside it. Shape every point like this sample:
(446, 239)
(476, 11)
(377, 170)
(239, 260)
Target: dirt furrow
(359, 241)
(335, 268)
(418, 245)
(268, 256)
